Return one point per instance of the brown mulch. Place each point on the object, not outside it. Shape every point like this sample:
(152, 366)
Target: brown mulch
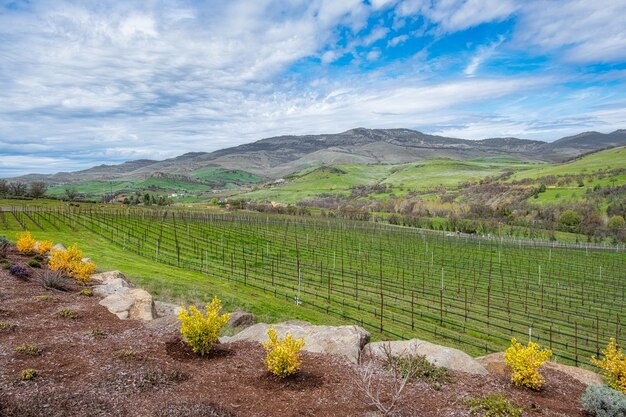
(98, 365)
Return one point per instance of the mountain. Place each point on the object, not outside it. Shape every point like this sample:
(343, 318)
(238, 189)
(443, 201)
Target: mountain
(282, 155)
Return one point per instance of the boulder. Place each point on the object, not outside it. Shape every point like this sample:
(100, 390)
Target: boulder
(495, 364)
(58, 246)
(342, 341)
(111, 282)
(441, 356)
(241, 319)
(166, 309)
(133, 303)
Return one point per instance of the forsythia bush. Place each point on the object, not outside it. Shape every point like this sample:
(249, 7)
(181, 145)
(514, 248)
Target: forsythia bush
(199, 331)
(70, 262)
(614, 365)
(44, 246)
(26, 243)
(526, 361)
(283, 356)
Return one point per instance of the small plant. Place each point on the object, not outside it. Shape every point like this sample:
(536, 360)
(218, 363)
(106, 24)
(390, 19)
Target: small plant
(494, 405)
(416, 367)
(31, 350)
(54, 280)
(25, 243)
(38, 258)
(40, 297)
(44, 246)
(5, 326)
(34, 263)
(87, 292)
(199, 331)
(614, 366)
(126, 354)
(7, 265)
(526, 361)
(603, 401)
(28, 374)
(283, 355)
(67, 313)
(98, 333)
(19, 272)
(70, 261)
(4, 246)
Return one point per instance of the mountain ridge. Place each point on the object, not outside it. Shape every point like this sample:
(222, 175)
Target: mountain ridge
(277, 156)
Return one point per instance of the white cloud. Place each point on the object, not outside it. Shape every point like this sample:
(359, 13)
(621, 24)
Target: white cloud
(483, 53)
(373, 55)
(590, 31)
(395, 41)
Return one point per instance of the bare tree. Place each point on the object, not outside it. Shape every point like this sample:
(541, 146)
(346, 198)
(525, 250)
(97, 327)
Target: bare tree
(4, 187)
(380, 389)
(38, 189)
(18, 189)
(71, 193)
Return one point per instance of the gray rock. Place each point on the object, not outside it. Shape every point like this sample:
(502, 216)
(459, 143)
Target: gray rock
(241, 319)
(441, 356)
(58, 246)
(343, 341)
(111, 282)
(132, 303)
(166, 309)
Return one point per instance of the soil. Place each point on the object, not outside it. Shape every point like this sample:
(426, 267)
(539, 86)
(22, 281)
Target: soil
(97, 365)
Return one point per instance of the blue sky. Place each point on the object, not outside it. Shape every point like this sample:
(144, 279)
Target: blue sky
(85, 83)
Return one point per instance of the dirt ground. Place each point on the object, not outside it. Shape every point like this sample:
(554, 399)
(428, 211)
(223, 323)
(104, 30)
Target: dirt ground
(97, 365)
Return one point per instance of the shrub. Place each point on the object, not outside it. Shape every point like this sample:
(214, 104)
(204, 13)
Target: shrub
(199, 331)
(526, 361)
(602, 401)
(31, 350)
(70, 262)
(53, 280)
(283, 355)
(25, 243)
(28, 374)
(494, 405)
(614, 366)
(67, 313)
(34, 264)
(19, 272)
(44, 246)
(419, 368)
(4, 246)
(5, 326)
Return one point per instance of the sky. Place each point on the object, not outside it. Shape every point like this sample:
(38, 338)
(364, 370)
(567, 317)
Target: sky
(84, 83)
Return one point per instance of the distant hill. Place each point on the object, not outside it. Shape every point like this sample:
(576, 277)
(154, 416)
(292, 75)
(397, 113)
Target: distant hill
(283, 155)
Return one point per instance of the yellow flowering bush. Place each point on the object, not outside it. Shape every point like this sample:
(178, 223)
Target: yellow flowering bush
(70, 261)
(44, 246)
(25, 243)
(283, 355)
(199, 331)
(526, 361)
(614, 366)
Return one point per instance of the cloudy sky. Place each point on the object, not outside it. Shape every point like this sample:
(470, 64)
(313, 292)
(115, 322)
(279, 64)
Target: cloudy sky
(84, 83)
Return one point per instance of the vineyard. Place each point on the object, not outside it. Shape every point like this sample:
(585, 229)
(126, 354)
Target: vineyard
(397, 282)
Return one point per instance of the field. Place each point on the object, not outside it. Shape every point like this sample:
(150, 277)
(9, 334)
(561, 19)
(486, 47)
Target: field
(398, 283)
(401, 179)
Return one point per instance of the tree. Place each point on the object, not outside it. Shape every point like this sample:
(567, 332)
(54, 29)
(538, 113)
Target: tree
(570, 220)
(4, 187)
(616, 223)
(18, 189)
(38, 189)
(71, 193)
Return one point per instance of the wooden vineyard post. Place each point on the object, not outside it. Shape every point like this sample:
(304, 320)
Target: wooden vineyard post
(412, 310)
(441, 307)
(466, 304)
(576, 343)
(550, 336)
(382, 299)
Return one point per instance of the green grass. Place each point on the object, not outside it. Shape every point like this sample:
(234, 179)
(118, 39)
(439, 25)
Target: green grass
(215, 174)
(609, 159)
(402, 179)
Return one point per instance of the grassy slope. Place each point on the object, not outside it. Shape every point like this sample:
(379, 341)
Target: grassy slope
(402, 178)
(178, 285)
